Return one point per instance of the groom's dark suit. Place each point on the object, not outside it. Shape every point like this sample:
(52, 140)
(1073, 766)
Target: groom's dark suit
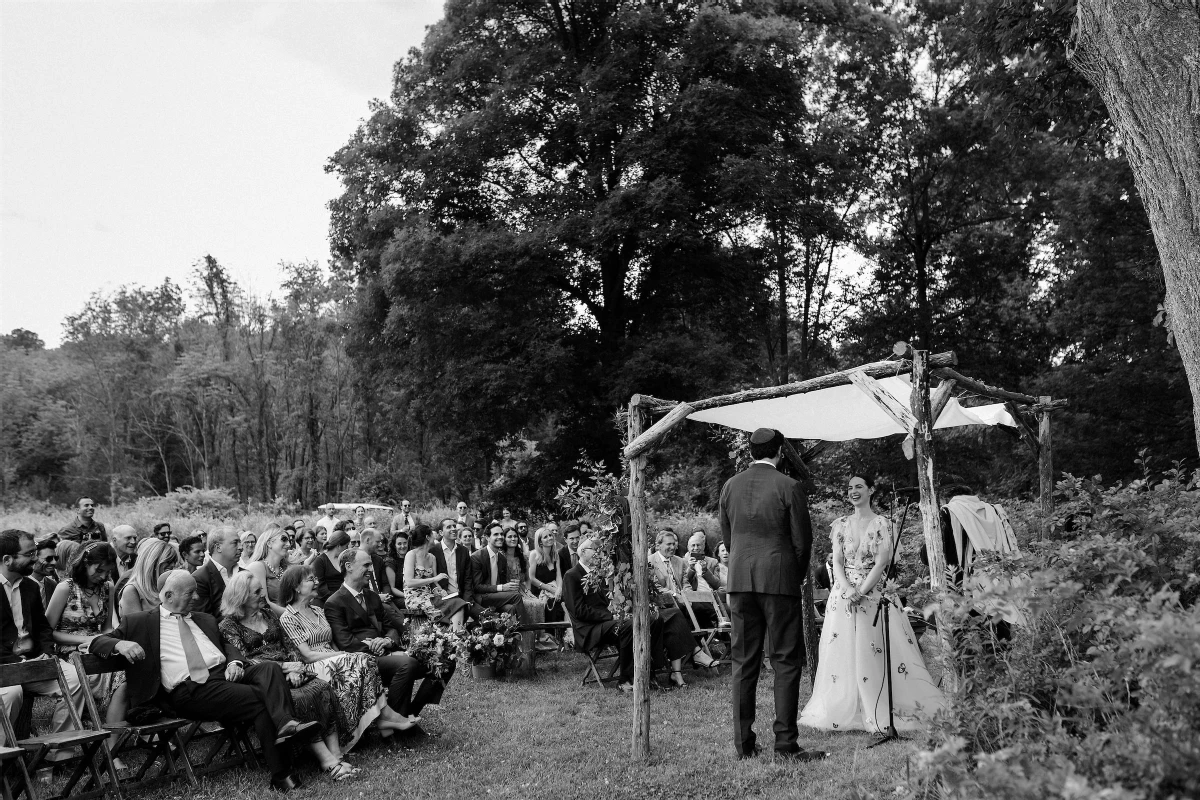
(766, 529)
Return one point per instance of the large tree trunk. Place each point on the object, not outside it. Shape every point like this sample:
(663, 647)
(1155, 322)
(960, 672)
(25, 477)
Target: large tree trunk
(1144, 60)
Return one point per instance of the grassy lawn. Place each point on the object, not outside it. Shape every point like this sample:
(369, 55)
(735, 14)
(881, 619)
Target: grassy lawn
(549, 738)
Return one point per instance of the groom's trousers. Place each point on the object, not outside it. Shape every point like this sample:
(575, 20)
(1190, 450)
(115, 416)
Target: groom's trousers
(754, 616)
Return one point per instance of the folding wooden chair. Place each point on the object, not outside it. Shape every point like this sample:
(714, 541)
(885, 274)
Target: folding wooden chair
(595, 656)
(708, 635)
(229, 747)
(12, 760)
(91, 743)
(159, 740)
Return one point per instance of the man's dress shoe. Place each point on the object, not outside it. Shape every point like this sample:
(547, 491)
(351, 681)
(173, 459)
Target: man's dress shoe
(286, 784)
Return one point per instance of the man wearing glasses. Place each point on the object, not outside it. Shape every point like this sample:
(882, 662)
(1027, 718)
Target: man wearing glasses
(404, 522)
(44, 574)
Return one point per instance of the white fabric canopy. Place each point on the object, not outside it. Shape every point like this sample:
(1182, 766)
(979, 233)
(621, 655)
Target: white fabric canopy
(841, 413)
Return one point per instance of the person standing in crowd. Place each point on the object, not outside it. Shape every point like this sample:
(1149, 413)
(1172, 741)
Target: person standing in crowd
(124, 541)
(327, 567)
(490, 584)
(181, 657)
(766, 528)
(360, 517)
(327, 522)
(403, 522)
(224, 550)
(45, 573)
(85, 523)
(162, 530)
(463, 517)
(191, 550)
(362, 623)
(25, 633)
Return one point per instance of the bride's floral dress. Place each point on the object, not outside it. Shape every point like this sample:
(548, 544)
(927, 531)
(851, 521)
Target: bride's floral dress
(850, 692)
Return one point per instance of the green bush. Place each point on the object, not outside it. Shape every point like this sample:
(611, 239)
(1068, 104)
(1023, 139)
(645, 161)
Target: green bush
(1100, 695)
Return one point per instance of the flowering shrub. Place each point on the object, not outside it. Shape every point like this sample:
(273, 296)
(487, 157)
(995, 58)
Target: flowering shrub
(435, 647)
(1100, 695)
(493, 641)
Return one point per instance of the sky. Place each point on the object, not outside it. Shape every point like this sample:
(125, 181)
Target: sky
(137, 136)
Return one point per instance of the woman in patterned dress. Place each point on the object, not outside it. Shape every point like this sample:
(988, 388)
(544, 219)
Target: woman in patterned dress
(81, 609)
(248, 623)
(353, 676)
(850, 692)
(422, 587)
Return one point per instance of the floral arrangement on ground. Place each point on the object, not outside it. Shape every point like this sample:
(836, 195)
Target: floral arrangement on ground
(493, 641)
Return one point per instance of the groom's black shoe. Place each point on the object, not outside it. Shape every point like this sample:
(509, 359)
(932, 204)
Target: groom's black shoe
(801, 755)
(753, 752)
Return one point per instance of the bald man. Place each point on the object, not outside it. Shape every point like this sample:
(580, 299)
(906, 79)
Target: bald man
(180, 662)
(124, 540)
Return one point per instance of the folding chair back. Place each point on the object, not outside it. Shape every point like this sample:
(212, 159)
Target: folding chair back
(12, 757)
(93, 744)
(159, 741)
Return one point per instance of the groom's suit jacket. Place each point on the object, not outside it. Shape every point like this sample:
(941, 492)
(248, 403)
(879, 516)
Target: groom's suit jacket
(767, 531)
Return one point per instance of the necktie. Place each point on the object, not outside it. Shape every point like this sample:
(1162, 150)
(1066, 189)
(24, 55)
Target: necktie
(191, 652)
(574, 559)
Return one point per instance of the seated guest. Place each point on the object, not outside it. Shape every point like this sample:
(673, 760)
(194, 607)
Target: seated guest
(192, 552)
(368, 542)
(363, 623)
(701, 568)
(162, 530)
(422, 581)
(327, 567)
(569, 555)
(82, 608)
(224, 550)
(124, 540)
(491, 585)
(353, 676)
(26, 634)
(249, 542)
(667, 570)
(249, 625)
(454, 559)
(466, 539)
(393, 567)
(723, 564)
(322, 536)
(180, 661)
(45, 572)
(155, 558)
(517, 558)
(268, 562)
(545, 581)
(305, 550)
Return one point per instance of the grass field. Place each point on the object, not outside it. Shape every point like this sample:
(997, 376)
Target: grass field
(546, 737)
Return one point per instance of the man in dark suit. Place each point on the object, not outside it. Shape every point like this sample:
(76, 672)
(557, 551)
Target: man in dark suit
(179, 661)
(362, 623)
(224, 550)
(454, 560)
(766, 529)
(490, 584)
(25, 634)
(45, 574)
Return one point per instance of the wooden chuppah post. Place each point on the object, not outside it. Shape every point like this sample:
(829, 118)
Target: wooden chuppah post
(1045, 465)
(927, 482)
(640, 744)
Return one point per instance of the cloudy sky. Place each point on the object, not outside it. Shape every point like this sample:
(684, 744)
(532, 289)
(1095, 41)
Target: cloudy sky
(136, 137)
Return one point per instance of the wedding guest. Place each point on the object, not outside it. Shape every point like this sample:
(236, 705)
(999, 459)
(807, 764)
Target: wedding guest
(517, 558)
(124, 541)
(162, 530)
(249, 542)
(394, 567)
(45, 572)
(463, 516)
(249, 624)
(327, 567)
(454, 559)
(26, 634)
(362, 623)
(181, 661)
(377, 580)
(354, 676)
(322, 536)
(849, 692)
(268, 562)
(404, 521)
(569, 555)
(65, 551)
(192, 551)
(140, 593)
(85, 523)
(545, 581)
(360, 514)
(667, 570)
(304, 551)
(327, 522)
(702, 569)
(595, 626)
(723, 564)
(422, 582)
(224, 552)
(466, 539)
(490, 584)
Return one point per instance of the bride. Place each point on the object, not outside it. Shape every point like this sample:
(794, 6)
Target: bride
(850, 693)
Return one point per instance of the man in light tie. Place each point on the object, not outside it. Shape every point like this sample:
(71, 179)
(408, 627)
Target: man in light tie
(490, 584)
(179, 661)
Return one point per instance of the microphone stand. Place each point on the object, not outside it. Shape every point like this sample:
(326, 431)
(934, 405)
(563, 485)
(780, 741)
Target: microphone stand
(885, 603)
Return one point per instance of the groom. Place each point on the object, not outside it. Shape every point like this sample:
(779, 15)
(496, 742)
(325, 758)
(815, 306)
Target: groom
(766, 529)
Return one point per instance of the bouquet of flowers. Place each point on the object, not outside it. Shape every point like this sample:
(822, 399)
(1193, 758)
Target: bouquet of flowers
(493, 640)
(435, 647)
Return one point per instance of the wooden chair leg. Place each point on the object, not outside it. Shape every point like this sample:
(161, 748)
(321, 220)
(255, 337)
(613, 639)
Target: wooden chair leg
(185, 764)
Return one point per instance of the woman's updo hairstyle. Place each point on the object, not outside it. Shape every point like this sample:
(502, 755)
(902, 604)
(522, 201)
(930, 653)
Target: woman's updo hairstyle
(419, 536)
(868, 480)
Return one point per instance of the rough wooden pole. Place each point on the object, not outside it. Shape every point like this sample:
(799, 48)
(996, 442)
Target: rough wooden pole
(927, 482)
(1045, 466)
(640, 745)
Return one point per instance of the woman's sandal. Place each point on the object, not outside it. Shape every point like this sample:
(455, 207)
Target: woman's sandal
(679, 684)
(340, 771)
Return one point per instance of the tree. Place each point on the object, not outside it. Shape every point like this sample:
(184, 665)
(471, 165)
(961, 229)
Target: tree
(1143, 59)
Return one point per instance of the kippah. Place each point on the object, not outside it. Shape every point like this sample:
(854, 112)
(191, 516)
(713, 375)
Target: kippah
(764, 436)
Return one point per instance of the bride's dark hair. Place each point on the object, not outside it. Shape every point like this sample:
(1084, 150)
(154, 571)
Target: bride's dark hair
(869, 481)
